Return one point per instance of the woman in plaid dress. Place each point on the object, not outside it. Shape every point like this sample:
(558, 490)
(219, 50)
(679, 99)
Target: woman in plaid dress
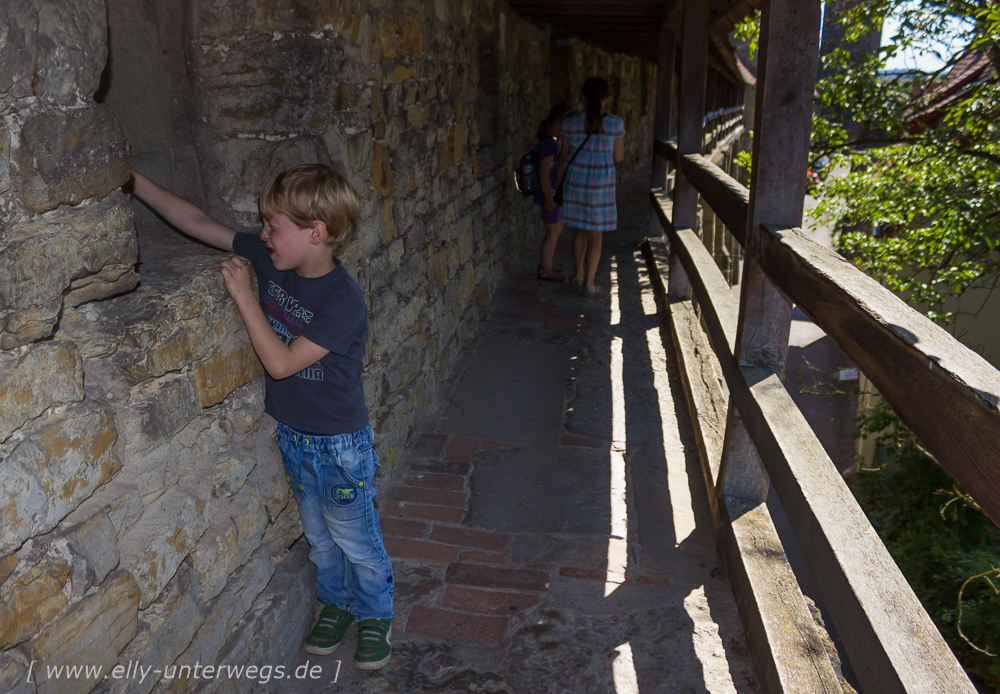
(589, 189)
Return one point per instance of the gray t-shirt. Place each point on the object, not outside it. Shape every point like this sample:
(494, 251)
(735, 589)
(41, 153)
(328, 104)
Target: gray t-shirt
(326, 398)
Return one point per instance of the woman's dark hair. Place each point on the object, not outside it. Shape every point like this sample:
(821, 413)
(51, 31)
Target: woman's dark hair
(558, 112)
(596, 90)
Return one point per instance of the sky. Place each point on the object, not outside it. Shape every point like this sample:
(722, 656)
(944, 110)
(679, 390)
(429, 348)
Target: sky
(911, 60)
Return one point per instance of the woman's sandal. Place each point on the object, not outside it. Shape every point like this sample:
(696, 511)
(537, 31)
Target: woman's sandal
(577, 282)
(551, 275)
(592, 290)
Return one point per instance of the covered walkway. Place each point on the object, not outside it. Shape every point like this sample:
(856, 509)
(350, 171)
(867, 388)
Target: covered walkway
(550, 532)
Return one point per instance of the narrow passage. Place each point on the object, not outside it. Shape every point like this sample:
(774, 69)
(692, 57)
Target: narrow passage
(549, 531)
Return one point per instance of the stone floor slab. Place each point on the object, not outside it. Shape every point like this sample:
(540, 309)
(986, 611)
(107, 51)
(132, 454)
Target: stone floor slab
(512, 392)
(553, 490)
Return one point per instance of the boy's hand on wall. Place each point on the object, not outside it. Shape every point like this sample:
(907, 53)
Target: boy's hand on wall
(237, 279)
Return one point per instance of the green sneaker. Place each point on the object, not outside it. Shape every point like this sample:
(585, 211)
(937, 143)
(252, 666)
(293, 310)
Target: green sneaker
(329, 631)
(374, 644)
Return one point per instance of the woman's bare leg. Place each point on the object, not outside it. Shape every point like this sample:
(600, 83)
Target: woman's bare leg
(593, 240)
(579, 253)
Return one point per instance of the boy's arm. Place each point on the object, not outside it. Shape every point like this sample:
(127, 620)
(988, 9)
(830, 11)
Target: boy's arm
(184, 215)
(279, 360)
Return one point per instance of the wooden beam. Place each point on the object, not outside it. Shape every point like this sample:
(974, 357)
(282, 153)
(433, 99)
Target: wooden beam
(691, 111)
(786, 650)
(892, 643)
(944, 392)
(727, 198)
(789, 46)
(784, 644)
(664, 100)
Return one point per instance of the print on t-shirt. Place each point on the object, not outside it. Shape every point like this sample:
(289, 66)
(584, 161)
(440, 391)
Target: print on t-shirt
(288, 319)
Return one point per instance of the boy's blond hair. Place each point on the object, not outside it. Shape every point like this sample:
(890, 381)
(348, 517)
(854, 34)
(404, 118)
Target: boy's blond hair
(310, 193)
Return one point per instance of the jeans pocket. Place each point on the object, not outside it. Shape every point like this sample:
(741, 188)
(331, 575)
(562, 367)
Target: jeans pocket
(344, 496)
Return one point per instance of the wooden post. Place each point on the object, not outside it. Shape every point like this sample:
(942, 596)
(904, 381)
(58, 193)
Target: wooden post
(789, 50)
(690, 131)
(786, 649)
(691, 114)
(664, 99)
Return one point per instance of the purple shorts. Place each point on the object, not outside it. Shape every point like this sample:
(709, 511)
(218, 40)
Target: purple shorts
(553, 216)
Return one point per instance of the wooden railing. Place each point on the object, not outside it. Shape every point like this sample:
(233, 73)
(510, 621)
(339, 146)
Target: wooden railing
(719, 125)
(945, 393)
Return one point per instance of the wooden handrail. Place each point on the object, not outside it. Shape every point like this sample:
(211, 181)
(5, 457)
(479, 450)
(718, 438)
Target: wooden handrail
(943, 391)
(889, 341)
(891, 641)
(725, 195)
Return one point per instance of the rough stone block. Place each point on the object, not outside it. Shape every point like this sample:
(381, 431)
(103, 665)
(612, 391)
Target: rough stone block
(235, 533)
(382, 171)
(260, 159)
(121, 502)
(51, 466)
(36, 378)
(33, 596)
(224, 372)
(165, 629)
(52, 49)
(222, 615)
(283, 533)
(230, 474)
(93, 632)
(95, 542)
(255, 84)
(243, 409)
(14, 673)
(94, 238)
(156, 411)
(168, 531)
(273, 630)
(65, 157)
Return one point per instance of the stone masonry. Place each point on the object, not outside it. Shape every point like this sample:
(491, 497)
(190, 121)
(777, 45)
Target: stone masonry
(145, 515)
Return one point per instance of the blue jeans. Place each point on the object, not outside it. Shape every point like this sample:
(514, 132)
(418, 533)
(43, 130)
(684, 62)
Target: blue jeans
(332, 478)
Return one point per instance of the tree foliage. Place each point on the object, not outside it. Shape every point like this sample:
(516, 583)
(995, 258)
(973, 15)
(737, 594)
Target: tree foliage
(944, 544)
(919, 209)
(924, 171)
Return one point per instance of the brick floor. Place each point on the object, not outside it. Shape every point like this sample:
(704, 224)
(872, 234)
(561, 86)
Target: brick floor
(431, 497)
(461, 450)
(403, 528)
(427, 480)
(496, 577)
(408, 548)
(591, 575)
(480, 539)
(477, 557)
(496, 445)
(487, 601)
(402, 509)
(441, 467)
(435, 623)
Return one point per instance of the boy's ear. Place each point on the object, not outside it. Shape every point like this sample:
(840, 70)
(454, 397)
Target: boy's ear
(319, 233)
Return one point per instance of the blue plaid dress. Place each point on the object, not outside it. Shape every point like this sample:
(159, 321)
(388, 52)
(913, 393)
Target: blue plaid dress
(589, 190)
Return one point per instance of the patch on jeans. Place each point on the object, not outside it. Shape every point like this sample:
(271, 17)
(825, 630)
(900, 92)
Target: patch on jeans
(344, 494)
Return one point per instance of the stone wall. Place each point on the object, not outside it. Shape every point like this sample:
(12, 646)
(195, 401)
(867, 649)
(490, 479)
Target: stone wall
(145, 514)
